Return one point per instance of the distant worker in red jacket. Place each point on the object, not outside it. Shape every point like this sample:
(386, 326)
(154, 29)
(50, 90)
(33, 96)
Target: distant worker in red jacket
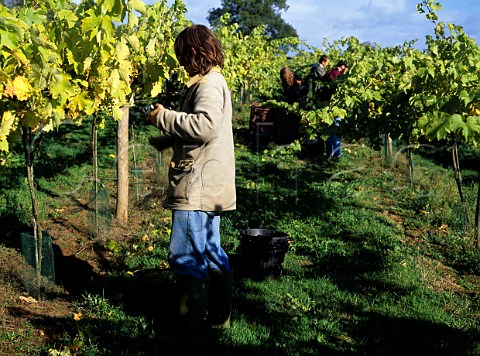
(340, 68)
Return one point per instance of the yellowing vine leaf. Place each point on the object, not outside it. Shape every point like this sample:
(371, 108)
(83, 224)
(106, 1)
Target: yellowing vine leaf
(61, 88)
(122, 51)
(87, 64)
(117, 114)
(6, 126)
(91, 24)
(157, 88)
(472, 128)
(69, 17)
(137, 5)
(80, 103)
(132, 21)
(134, 42)
(19, 88)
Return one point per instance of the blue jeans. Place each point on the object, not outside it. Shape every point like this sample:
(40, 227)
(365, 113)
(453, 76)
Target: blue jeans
(195, 244)
(333, 145)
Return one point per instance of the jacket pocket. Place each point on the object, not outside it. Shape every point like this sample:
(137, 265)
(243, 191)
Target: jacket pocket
(180, 177)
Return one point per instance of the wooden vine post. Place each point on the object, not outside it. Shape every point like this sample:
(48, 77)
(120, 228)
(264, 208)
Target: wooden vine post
(477, 219)
(30, 143)
(122, 168)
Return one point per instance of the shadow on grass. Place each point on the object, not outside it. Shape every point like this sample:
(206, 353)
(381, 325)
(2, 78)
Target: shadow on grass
(405, 336)
(145, 326)
(362, 333)
(354, 270)
(266, 193)
(288, 193)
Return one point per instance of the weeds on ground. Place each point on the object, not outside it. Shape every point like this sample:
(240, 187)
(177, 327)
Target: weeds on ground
(376, 265)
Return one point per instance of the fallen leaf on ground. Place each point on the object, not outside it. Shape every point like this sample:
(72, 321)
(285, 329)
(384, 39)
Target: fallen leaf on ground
(77, 316)
(27, 299)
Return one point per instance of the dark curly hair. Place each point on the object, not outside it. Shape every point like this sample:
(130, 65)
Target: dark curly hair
(198, 47)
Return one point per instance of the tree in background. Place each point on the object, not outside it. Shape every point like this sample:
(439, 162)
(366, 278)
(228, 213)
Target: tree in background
(12, 3)
(249, 14)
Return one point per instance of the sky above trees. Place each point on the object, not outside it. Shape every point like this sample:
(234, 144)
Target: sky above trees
(387, 23)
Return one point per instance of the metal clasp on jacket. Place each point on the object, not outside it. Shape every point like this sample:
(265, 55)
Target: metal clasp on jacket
(182, 164)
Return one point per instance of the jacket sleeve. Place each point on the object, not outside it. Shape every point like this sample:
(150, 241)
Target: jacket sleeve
(331, 75)
(203, 123)
(317, 71)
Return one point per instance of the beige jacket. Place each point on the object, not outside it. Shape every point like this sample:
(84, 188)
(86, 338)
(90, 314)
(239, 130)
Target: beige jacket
(202, 169)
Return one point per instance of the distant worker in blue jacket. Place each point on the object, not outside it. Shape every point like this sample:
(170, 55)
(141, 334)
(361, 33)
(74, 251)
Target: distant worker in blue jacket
(317, 71)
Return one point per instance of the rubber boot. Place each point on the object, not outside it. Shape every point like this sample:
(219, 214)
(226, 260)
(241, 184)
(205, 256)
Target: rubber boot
(192, 304)
(220, 299)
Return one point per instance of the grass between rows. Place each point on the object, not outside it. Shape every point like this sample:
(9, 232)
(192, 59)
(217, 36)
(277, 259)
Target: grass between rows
(376, 265)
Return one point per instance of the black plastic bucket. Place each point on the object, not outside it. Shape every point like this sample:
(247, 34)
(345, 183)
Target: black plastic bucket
(262, 252)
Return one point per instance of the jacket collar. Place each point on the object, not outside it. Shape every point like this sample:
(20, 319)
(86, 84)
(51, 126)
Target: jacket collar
(197, 77)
